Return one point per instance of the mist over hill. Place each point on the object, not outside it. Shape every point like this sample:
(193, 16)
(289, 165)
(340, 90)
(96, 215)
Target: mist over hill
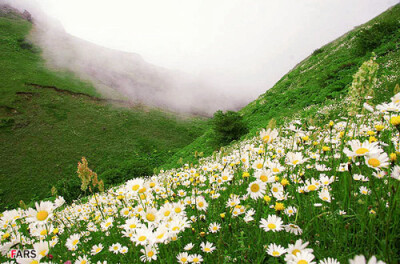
(123, 75)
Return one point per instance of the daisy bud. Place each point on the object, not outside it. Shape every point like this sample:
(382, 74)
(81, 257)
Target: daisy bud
(393, 157)
(267, 198)
(279, 206)
(326, 148)
(395, 120)
(284, 182)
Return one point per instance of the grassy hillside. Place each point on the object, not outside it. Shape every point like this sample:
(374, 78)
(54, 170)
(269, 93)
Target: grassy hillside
(322, 78)
(49, 120)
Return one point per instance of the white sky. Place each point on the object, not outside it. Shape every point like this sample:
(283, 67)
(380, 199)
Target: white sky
(243, 44)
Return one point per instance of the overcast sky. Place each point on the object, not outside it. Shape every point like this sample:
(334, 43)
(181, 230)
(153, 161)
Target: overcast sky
(241, 44)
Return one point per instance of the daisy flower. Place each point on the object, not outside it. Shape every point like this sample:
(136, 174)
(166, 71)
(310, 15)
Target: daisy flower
(377, 160)
(290, 211)
(42, 248)
(275, 250)
(396, 173)
(43, 212)
(364, 190)
(183, 258)
(302, 258)
(114, 248)
(123, 250)
(149, 253)
(207, 247)
(267, 136)
(361, 149)
(195, 258)
(294, 159)
(325, 195)
(96, 249)
(188, 247)
(273, 223)
(296, 248)
(258, 164)
(214, 227)
(256, 189)
(72, 242)
(107, 224)
(82, 260)
(294, 229)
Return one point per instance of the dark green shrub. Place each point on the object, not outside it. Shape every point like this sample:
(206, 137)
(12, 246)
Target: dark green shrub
(371, 38)
(228, 126)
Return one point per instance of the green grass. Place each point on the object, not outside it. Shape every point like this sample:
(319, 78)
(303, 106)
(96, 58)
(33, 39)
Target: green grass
(323, 78)
(44, 132)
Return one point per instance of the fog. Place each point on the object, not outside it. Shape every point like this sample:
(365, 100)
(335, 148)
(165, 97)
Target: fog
(190, 55)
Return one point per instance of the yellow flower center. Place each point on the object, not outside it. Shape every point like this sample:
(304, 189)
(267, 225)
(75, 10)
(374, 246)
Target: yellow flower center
(295, 162)
(255, 187)
(264, 178)
(42, 215)
(259, 166)
(43, 232)
(275, 253)
(361, 151)
(98, 250)
(150, 217)
(142, 238)
(135, 187)
(195, 259)
(178, 210)
(75, 242)
(167, 213)
(183, 259)
(150, 254)
(271, 226)
(294, 252)
(132, 226)
(200, 204)
(175, 228)
(311, 187)
(374, 162)
(34, 262)
(43, 253)
(275, 170)
(275, 189)
(302, 261)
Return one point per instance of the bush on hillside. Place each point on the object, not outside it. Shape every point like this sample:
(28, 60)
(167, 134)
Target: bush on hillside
(228, 126)
(371, 38)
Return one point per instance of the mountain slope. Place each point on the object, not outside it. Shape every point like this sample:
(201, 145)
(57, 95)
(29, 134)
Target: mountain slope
(49, 120)
(322, 78)
(328, 72)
